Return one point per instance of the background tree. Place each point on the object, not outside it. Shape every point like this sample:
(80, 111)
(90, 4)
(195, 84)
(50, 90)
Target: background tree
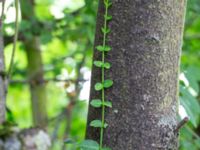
(2, 75)
(35, 64)
(146, 40)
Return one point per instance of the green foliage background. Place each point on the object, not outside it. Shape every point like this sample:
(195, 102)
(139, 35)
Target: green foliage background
(66, 31)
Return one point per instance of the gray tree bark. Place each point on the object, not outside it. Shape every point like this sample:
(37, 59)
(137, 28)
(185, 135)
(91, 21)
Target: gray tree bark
(146, 40)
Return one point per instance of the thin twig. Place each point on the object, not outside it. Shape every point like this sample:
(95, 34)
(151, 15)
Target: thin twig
(45, 81)
(181, 124)
(15, 39)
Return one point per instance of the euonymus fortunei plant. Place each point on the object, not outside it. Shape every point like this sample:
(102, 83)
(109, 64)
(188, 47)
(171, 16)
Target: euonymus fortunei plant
(105, 83)
(100, 102)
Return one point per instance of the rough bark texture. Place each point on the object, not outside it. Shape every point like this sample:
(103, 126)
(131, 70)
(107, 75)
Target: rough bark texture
(2, 80)
(146, 40)
(35, 66)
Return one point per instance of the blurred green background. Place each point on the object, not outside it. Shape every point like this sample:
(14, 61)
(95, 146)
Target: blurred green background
(66, 30)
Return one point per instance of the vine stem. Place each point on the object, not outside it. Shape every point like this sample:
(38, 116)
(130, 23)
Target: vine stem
(15, 39)
(103, 79)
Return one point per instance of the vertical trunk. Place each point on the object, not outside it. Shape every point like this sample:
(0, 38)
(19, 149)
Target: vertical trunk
(35, 68)
(2, 80)
(37, 85)
(146, 40)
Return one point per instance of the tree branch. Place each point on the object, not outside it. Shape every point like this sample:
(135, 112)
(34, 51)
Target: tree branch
(15, 39)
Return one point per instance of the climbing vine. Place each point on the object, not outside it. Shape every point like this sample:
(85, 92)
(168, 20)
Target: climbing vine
(100, 86)
(105, 83)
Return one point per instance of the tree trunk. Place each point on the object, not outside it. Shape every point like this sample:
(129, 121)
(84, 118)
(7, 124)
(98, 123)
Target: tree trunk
(2, 80)
(146, 40)
(35, 67)
(37, 85)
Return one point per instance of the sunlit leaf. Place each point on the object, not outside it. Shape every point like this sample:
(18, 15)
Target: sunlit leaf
(96, 123)
(105, 30)
(100, 48)
(107, 83)
(98, 63)
(108, 17)
(108, 104)
(107, 65)
(96, 103)
(98, 86)
(107, 48)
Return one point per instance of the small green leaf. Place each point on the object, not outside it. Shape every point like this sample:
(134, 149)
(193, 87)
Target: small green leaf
(96, 103)
(107, 3)
(107, 65)
(101, 64)
(96, 123)
(105, 30)
(108, 104)
(98, 86)
(107, 83)
(103, 48)
(89, 145)
(107, 48)
(105, 125)
(108, 17)
(98, 63)
(100, 48)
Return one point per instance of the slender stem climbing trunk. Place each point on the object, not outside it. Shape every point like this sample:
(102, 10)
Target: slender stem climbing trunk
(146, 40)
(35, 68)
(2, 80)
